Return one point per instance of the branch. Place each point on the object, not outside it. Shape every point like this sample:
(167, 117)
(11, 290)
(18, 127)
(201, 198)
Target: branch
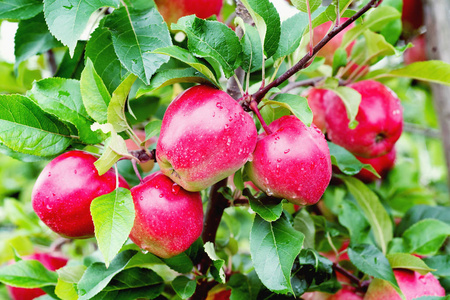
(422, 130)
(362, 285)
(259, 95)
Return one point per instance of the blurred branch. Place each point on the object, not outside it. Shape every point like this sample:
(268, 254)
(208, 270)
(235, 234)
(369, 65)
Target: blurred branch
(422, 130)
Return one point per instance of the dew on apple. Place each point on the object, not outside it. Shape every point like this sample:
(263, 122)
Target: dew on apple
(287, 151)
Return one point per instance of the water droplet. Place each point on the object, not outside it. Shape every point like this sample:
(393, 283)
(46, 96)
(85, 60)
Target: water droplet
(161, 195)
(277, 138)
(49, 174)
(279, 160)
(49, 207)
(144, 251)
(53, 194)
(228, 142)
(75, 171)
(175, 188)
(219, 105)
(250, 157)
(227, 126)
(156, 186)
(269, 192)
(141, 198)
(230, 119)
(82, 292)
(287, 151)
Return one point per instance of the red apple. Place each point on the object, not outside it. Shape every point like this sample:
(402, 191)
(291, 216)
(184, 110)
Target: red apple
(412, 15)
(172, 10)
(315, 101)
(346, 293)
(51, 262)
(205, 137)
(64, 190)
(411, 283)
(380, 120)
(416, 53)
(293, 162)
(382, 165)
(168, 218)
(131, 145)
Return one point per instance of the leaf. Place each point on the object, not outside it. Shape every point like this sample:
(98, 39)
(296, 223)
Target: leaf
(351, 99)
(374, 211)
(408, 261)
(116, 108)
(305, 224)
(238, 180)
(71, 274)
(152, 128)
(240, 287)
(216, 268)
(347, 162)
(61, 97)
(274, 247)
(296, 104)
(351, 217)
(27, 274)
(184, 287)
(185, 56)
(290, 39)
(376, 45)
(95, 95)
(426, 236)
(421, 212)
(101, 51)
(180, 263)
(67, 19)
(113, 216)
(135, 34)
(302, 6)
(441, 264)
(269, 208)
(71, 67)
(66, 290)
(371, 261)
(19, 9)
(26, 128)
(133, 278)
(97, 276)
(32, 38)
(212, 39)
(252, 48)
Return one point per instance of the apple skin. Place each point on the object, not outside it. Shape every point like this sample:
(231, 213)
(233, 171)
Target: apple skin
(411, 283)
(168, 218)
(416, 53)
(131, 145)
(51, 261)
(292, 163)
(412, 15)
(172, 10)
(315, 99)
(380, 120)
(382, 165)
(205, 137)
(64, 190)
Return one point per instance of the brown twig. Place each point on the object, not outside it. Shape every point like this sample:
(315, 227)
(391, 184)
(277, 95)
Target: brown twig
(362, 284)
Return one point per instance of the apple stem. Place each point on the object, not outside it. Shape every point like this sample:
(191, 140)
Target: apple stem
(311, 31)
(259, 95)
(254, 108)
(362, 285)
(134, 163)
(338, 14)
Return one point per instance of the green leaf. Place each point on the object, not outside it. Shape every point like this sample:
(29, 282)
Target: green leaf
(351, 99)
(408, 261)
(216, 268)
(351, 217)
(439, 262)
(19, 9)
(116, 108)
(61, 97)
(274, 247)
(305, 224)
(71, 274)
(185, 56)
(371, 261)
(426, 236)
(184, 287)
(421, 212)
(296, 104)
(238, 180)
(290, 39)
(269, 208)
(71, 67)
(135, 34)
(32, 38)
(66, 290)
(95, 95)
(212, 39)
(240, 287)
(376, 45)
(152, 128)
(100, 50)
(181, 263)
(27, 274)
(374, 211)
(67, 19)
(347, 162)
(302, 5)
(113, 216)
(97, 276)
(339, 59)
(26, 128)
(252, 48)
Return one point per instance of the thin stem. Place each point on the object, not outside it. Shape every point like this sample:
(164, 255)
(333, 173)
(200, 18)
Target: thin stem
(338, 14)
(346, 273)
(311, 31)
(52, 62)
(238, 83)
(254, 108)
(134, 163)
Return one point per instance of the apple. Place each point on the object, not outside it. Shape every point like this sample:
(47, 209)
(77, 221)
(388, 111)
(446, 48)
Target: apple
(168, 218)
(346, 293)
(315, 99)
(51, 261)
(382, 165)
(380, 120)
(131, 146)
(205, 137)
(416, 53)
(411, 283)
(293, 162)
(412, 15)
(64, 190)
(172, 10)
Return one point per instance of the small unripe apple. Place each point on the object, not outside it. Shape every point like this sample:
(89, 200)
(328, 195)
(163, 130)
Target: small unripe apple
(51, 261)
(205, 137)
(131, 145)
(380, 120)
(412, 15)
(168, 218)
(64, 190)
(172, 10)
(411, 283)
(382, 164)
(416, 53)
(315, 99)
(293, 162)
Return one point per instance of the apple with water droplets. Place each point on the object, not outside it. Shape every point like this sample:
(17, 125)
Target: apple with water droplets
(168, 218)
(292, 162)
(380, 120)
(172, 10)
(205, 137)
(64, 190)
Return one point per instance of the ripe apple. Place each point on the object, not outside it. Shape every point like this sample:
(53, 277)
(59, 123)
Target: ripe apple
(64, 190)
(168, 218)
(416, 53)
(412, 15)
(293, 162)
(51, 261)
(205, 137)
(382, 165)
(315, 99)
(131, 145)
(172, 10)
(346, 293)
(380, 120)
(411, 283)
